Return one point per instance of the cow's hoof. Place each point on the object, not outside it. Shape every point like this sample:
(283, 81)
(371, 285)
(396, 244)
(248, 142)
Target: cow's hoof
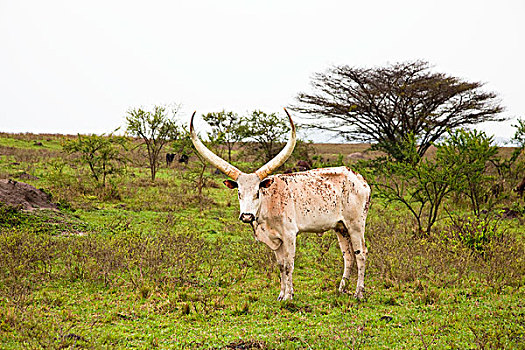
(359, 293)
(342, 286)
(285, 297)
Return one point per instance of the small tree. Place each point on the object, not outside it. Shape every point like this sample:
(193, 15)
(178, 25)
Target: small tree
(102, 154)
(196, 173)
(225, 129)
(519, 135)
(519, 140)
(264, 133)
(470, 151)
(156, 128)
(513, 167)
(421, 185)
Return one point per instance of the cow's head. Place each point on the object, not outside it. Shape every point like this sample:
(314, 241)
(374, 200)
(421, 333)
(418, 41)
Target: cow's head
(248, 185)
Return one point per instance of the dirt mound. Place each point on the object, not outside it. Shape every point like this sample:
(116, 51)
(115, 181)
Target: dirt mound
(510, 213)
(14, 193)
(356, 155)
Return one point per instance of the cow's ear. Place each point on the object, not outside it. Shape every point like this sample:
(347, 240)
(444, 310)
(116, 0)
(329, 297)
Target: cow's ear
(231, 184)
(266, 183)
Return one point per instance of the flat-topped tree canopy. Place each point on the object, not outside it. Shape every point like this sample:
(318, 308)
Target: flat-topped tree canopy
(390, 105)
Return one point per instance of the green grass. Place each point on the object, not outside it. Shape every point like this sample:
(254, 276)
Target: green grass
(70, 311)
(34, 143)
(113, 318)
(155, 268)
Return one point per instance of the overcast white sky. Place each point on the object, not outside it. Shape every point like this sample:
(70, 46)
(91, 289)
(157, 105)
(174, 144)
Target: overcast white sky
(70, 66)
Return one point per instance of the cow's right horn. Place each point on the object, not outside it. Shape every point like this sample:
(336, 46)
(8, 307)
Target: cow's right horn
(279, 159)
(228, 169)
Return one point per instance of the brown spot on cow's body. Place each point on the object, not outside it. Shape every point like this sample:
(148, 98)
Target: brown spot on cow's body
(352, 170)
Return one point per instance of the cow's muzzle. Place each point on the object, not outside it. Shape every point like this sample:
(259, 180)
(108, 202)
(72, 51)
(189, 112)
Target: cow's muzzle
(247, 218)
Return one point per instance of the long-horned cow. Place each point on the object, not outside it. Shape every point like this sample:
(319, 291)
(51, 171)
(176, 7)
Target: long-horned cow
(278, 207)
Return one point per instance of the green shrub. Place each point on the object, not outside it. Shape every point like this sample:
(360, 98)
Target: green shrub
(469, 151)
(26, 259)
(421, 187)
(10, 216)
(475, 232)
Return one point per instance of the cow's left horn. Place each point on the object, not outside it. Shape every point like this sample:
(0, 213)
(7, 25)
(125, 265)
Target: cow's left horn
(228, 169)
(279, 159)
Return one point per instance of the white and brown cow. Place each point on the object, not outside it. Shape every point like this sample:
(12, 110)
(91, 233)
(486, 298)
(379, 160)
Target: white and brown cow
(278, 207)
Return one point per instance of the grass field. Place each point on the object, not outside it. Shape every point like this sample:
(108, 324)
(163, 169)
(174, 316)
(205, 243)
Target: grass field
(152, 265)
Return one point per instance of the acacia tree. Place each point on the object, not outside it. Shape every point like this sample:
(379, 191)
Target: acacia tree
(156, 128)
(385, 105)
(225, 129)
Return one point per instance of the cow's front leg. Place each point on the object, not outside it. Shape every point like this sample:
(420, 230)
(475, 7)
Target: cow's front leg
(282, 280)
(285, 256)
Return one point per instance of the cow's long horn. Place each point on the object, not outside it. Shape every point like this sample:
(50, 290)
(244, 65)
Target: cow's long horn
(279, 159)
(215, 160)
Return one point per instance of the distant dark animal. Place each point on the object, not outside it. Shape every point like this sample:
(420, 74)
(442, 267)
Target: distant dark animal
(169, 158)
(184, 159)
(303, 165)
(520, 188)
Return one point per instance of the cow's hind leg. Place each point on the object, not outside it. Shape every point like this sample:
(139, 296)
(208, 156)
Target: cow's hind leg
(285, 256)
(346, 248)
(357, 238)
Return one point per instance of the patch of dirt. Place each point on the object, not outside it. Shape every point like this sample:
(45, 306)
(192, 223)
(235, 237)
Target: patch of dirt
(19, 194)
(26, 176)
(242, 345)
